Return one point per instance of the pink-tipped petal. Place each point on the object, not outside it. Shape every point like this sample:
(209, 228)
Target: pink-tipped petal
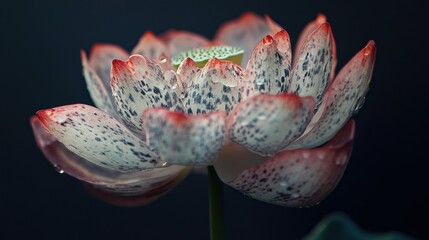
(101, 96)
(297, 178)
(131, 188)
(266, 124)
(343, 98)
(183, 41)
(100, 59)
(151, 47)
(184, 139)
(308, 29)
(269, 66)
(311, 74)
(244, 32)
(94, 135)
(138, 84)
(214, 87)
(274, 27)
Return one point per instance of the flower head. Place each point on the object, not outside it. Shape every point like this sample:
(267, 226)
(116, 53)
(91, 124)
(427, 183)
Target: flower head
(276, 128)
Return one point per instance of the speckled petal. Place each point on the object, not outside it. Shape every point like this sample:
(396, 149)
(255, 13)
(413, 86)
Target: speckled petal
(308, 29)
(97, 137)
(151, 47)
(184, 139)
(138, 84)
(183, 41)
(343, 98)
(296, 178)
(101, 96)
(269, 66)
(100, 59)
(244, 32)
(129, 189)
(214, 87)
(311, 74)
(266, 124)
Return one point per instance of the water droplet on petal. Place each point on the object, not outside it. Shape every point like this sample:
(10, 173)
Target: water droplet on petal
(58, 169)
(162, 59)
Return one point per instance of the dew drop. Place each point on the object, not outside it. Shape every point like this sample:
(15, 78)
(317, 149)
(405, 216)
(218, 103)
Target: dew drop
(162, 59)
(58, 169)
(359, 105)
(284, 184)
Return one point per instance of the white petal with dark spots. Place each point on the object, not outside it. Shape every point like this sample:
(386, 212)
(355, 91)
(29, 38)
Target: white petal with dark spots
(183, 139)
(267, 123)
(311, 73)
(344, 96)
(268, 70)
(138, 84)
(296, 178)
(214, 87)
(94, 135)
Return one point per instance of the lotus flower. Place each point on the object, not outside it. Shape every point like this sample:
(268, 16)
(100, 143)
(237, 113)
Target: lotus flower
(276, 128)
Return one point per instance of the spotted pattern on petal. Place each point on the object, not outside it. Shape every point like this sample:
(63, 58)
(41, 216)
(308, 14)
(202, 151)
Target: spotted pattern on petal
(138, 84)
(97, 137)
(300, 177)
(311, 74)
(182, 139)
(214, 87)
(345, 96)
(267, 123)
(269, 67)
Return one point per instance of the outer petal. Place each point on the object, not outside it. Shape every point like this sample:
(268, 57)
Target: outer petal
(295, 178)
(101, 96)
(345, 95)
(182, 139)
(266, 124)
(214, 87)
(244, 32)
(269, 66)
(101, 58)
(183, 41)
(138, 84)
(311, 74)
(97, 137)
(130, 189)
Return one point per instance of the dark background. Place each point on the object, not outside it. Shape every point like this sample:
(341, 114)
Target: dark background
(385, 187)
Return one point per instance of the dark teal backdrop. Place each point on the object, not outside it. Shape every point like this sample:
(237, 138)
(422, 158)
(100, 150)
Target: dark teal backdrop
(385, 187)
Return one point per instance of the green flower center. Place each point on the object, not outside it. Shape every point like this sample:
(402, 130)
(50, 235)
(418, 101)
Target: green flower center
(202, 55)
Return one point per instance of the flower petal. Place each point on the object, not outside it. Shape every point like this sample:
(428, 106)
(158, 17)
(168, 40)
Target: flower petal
(214, 87)
(101, 96)
(311, 74)
(184, 139)
(267, 123)
(97, 137)
(343, 97)
(244, 32)
(131, 188)
(308, 29)
(138, 84)
(301, 177)
(101, 58)
(151, 47)
(183, 41)
(269, 66)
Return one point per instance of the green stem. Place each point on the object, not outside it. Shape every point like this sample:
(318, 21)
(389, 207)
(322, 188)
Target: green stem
(216, 205)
